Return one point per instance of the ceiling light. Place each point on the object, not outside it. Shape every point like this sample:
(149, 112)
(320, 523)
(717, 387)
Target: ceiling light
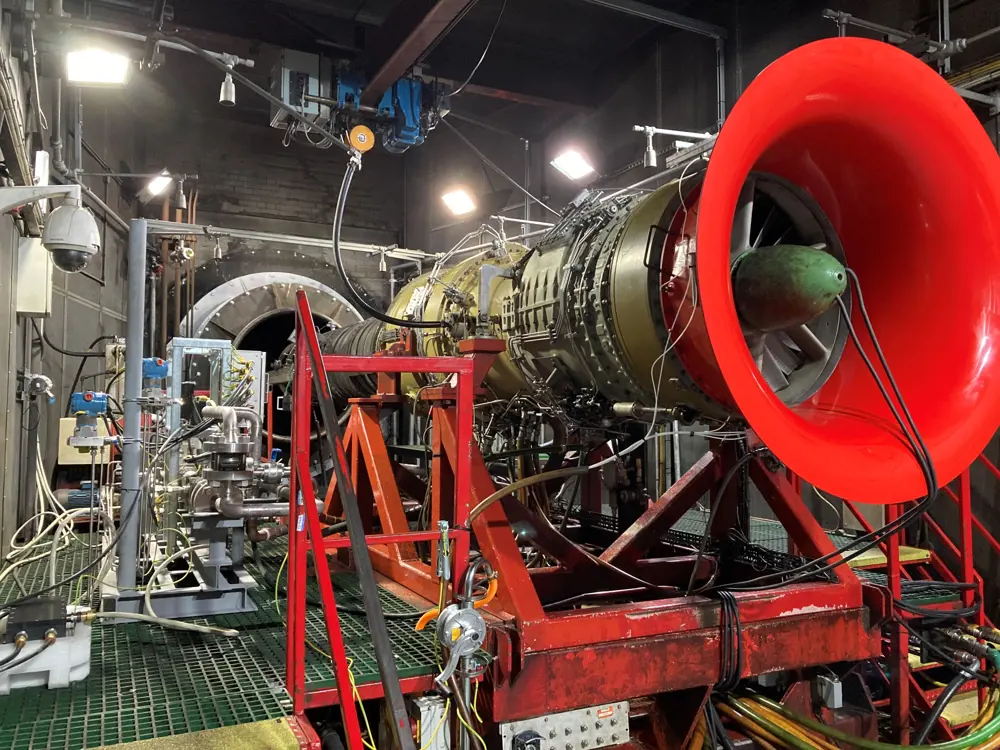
(157, 186)
(573, 164)
(459, 202)
(159, 183)
(97, 67)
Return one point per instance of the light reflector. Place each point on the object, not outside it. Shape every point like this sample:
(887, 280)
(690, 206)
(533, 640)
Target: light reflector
(158, 184)
(573, 164)
(459, 202)
(97, 67)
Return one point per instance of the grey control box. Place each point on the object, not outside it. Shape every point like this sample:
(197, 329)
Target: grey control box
(582, 729)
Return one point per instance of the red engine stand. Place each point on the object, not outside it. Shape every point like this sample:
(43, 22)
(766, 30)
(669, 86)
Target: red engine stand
(550, 662)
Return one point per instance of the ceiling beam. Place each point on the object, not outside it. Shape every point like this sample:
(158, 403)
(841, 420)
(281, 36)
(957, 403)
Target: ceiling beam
(490, 92)
(418, 39)
(666, 17)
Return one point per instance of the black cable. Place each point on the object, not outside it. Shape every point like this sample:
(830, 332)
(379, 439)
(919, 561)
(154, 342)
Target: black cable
(338, 218)
(919, 447)
(938, 614)
(485, 159)
(79, 370)
(32, 407)
(940, 654)
(716, 728)
(113, 380)
(122, 525)
(29, 657)
(731, 646)
(65, 352)
(943, 699)
(740, 462)
(12, 655)
(486, 49)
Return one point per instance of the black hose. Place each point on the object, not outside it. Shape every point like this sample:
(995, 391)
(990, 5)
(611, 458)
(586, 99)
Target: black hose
(910, 432)
(338, 218)
(79, 370)
(65, 352)
(114, 402)
(114, 379)
(719, 496)
(29, 657)
(12, 655)
(939, 705)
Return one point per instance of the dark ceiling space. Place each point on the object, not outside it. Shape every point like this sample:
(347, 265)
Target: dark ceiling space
(548, 58)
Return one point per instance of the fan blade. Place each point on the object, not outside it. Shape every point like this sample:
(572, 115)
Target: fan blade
(808, 343)
(772, 371)
(764, 228)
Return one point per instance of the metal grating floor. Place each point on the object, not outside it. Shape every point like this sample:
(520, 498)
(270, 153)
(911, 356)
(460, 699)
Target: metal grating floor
(772, 535)
(147, 682)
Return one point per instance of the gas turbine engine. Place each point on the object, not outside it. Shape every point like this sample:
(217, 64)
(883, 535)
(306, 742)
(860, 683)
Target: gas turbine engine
(724, 296)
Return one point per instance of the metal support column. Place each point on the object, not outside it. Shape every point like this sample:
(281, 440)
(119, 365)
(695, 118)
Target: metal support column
(128, 545)
(944, 30)
(899, 641)
(525, 228)
(720, 79)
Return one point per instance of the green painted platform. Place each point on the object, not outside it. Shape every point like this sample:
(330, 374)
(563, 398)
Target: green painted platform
(147, 682)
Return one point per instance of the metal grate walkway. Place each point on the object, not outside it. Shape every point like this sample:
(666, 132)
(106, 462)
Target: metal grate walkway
(147, 682)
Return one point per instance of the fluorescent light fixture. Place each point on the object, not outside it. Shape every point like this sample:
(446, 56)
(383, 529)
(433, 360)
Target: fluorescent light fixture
(97, 67)
(459, 202)
(573, 164)
(156, 186)
(159, 183)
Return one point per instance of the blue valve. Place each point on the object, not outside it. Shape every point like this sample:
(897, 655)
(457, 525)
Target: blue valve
(275, 454)
(154, 368)
(89, 403)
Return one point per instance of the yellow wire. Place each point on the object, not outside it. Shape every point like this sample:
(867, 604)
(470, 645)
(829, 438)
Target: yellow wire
(437, 727)
(472, 731)
(318, 650)
(475, 699)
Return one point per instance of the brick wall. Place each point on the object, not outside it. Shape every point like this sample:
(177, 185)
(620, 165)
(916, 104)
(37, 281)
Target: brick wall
(244, 170)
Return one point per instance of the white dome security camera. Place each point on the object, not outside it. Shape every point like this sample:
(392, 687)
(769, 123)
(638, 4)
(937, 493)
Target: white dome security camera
(71, 235)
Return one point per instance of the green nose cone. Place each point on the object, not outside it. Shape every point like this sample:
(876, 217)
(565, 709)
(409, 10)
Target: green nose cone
(785, 286)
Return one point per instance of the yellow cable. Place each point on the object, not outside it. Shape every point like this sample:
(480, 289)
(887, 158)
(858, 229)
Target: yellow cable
(803, 733)
(437, 727)
(318, 650)
(472, 731)
(760, 735)
(475, 699)
(984, 714)
(698, 736)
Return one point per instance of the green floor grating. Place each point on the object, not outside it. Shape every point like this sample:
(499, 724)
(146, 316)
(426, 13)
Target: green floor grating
(772, 535)
(147, 682)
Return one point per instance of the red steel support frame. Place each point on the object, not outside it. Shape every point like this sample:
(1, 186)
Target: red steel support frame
(548, 662)
(306, 531)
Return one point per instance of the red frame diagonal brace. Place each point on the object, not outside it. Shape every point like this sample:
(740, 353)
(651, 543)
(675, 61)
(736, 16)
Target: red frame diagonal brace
(393, 546)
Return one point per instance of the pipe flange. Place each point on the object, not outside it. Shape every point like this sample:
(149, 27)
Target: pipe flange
(218, 475)
(220, 446)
